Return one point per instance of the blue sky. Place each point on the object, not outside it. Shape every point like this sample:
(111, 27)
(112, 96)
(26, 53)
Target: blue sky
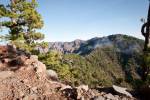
(67, 20)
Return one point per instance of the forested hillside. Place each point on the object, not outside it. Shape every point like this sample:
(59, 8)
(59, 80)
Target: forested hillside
(115, 59)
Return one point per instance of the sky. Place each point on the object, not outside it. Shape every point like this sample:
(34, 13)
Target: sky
(67, 20)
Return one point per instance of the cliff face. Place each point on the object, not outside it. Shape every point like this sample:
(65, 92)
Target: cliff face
(23, 77)
(65, 47)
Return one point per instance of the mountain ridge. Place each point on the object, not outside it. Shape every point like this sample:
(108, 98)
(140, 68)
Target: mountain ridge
(123, 43)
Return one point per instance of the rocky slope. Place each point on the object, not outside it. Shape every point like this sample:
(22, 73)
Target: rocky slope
(23, 77)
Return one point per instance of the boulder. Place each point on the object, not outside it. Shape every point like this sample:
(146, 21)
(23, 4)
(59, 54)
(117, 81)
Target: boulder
(121, 90)
(52, 74)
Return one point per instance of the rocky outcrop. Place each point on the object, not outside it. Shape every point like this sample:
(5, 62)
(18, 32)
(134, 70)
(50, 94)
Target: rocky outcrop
(24, 77)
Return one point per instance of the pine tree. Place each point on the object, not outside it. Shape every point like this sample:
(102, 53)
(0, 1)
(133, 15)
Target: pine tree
(22, 19)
